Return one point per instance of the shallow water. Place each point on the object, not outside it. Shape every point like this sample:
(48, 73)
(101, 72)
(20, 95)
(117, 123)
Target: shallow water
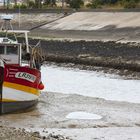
(83, 116)
(90, 83)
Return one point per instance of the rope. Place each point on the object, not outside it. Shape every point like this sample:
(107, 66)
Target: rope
(37, 55)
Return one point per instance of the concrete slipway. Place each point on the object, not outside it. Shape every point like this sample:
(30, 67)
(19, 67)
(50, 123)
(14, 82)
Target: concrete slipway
(96, 26)
(124, 26)
(89, 21)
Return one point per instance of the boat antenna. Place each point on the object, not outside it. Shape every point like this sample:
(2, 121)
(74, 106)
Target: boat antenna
(19, 16)
(6, 25)
(6, 22)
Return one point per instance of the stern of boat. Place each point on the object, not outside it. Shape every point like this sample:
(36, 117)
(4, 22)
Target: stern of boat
(19, 88)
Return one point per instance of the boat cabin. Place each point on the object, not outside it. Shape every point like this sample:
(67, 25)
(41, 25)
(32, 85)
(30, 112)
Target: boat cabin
(10, 51)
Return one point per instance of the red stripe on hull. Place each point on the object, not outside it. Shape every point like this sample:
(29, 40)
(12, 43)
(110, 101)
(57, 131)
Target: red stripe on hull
(22, 75)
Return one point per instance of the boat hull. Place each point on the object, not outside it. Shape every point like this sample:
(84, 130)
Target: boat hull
(19, 106)
(19, 88)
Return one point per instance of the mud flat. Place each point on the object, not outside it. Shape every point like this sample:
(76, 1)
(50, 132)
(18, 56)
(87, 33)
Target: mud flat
(120, 120)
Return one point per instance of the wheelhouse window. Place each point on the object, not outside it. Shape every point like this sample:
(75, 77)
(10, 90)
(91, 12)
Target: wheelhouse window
(1, 49)
(12, 50)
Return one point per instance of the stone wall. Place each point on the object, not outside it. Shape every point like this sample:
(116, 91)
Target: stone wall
(96, 53)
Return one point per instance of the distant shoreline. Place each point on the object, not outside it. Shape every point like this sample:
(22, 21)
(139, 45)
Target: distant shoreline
(67, 10)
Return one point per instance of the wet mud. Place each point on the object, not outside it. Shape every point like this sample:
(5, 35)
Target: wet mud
(51, 112)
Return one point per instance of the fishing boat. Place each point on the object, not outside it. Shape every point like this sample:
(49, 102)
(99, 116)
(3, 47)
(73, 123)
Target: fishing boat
(20, 84)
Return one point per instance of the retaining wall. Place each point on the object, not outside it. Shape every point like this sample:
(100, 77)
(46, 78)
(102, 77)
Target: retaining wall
(96, 53)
